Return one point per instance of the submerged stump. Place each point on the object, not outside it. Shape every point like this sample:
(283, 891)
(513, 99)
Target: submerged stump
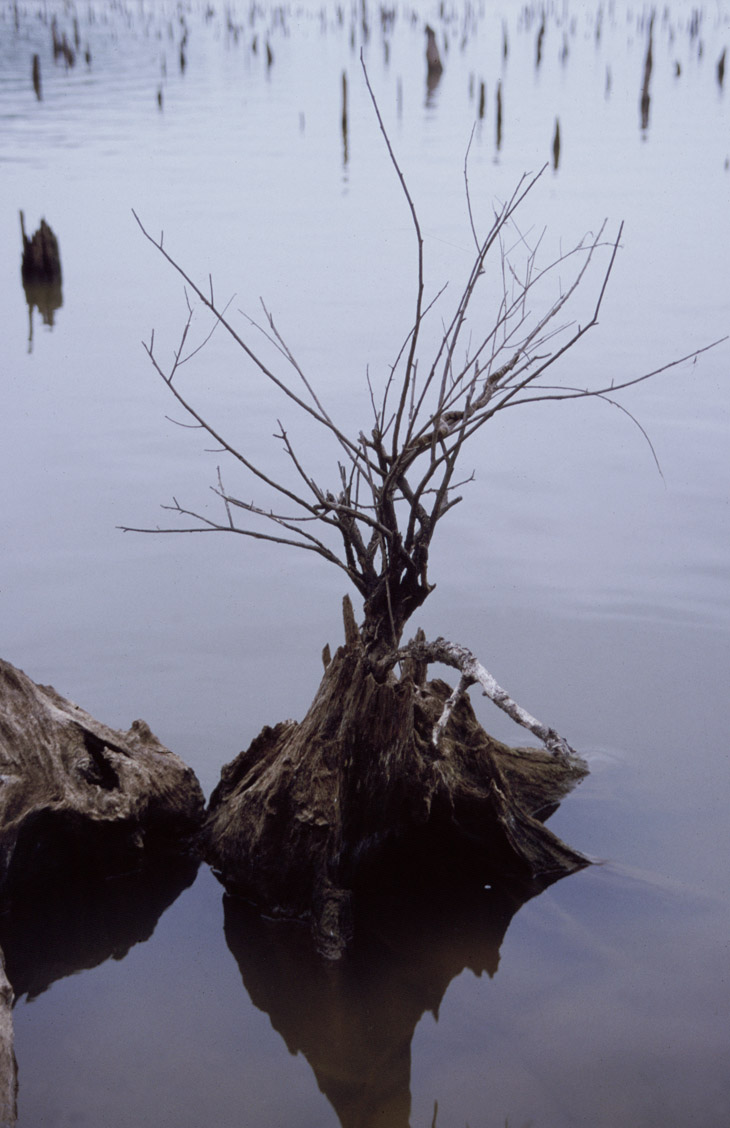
(41, 274)
(41, 263)
(299, 820)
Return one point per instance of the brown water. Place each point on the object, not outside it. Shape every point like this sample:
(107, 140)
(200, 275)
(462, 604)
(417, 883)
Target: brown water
(596, 591)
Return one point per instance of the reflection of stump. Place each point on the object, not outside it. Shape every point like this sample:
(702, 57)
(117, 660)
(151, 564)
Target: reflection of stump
(298, 818)
(41, 257)
(58, 928)
(46, 297)
(354, 1021)
(80, 803)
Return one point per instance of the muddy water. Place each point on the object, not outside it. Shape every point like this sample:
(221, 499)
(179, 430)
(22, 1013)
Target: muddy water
(595, 589)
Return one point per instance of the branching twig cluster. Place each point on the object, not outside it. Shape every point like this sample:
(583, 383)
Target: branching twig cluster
(396, 481)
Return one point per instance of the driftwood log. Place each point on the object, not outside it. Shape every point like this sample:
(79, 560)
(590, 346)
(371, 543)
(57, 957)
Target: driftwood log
(299, 820)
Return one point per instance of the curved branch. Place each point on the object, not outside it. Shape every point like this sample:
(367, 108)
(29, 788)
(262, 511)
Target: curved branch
(473, 673)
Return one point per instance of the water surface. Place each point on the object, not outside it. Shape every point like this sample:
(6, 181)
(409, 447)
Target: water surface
(595, 589)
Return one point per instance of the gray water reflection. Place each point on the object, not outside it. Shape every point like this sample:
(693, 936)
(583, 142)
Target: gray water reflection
(77, 921)
(47, 299)
(354, 1020)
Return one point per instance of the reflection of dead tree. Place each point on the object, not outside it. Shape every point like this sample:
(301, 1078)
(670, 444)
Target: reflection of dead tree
(295, 817)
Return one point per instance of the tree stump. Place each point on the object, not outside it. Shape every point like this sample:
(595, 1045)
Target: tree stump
(41, 257)
(299, 819)
(77, 794)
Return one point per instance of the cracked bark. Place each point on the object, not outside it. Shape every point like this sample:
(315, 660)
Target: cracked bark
(298, 820)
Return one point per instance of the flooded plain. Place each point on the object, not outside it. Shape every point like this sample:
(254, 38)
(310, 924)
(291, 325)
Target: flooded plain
(593, 586)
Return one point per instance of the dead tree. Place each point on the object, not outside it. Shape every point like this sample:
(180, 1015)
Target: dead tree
(386, 761)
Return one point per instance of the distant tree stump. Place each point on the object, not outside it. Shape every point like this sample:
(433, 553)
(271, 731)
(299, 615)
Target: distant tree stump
(41, 257)
(37, 78)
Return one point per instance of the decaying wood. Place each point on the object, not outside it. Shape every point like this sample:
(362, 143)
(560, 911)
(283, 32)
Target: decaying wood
(298, 818)
(73, 788)
(473, 673)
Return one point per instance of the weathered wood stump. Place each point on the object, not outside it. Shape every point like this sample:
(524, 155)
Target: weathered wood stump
(298, 819)
(74, 791)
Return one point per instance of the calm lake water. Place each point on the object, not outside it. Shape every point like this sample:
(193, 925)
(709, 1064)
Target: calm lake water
(596, 590)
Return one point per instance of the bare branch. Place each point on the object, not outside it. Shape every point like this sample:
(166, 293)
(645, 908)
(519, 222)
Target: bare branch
(209, 526)
(408, 375)
(263, 368)
(473, 673)
(610, 389)
(223, 443)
